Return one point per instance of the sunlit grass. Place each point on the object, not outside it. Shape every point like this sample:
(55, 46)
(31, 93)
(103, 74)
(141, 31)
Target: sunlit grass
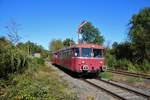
(106, 75)
(39, 84)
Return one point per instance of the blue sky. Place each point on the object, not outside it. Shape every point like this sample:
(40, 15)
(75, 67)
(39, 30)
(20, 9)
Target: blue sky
(44, 20)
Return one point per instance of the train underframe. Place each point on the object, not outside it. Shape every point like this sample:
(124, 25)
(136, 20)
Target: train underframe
(81, 73)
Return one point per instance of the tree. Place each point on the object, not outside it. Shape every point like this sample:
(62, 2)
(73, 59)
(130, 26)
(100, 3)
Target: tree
(4, 42)
(122, 50)
(30, 47)
(90, 34)
(139, 34)
(67, 42)
(12, 59)
(55, 44)
(13, 33)
(114, 45)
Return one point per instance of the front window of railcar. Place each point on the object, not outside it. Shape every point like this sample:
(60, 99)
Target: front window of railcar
(76, 52)
(86, 52)
(97, 53)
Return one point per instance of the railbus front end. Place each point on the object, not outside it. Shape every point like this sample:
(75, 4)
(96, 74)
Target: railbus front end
(88, 59)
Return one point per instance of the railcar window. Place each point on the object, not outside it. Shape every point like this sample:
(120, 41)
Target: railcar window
(76, 52)
(55, 55)
(97, 53)
(86, 52)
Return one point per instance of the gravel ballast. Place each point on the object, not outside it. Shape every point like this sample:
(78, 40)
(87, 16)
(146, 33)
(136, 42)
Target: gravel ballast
(83, 90)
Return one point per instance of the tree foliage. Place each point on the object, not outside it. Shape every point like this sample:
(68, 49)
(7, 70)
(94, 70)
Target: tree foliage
(122, 50)
(90, 34)
(134, 54)
(12, 59)
(4, 41)
(31, 48)
(67, 42)
(139, 34)
(55, 44)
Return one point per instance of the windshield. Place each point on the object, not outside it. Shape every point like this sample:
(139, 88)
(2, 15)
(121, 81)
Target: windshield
(97, 53)
(86, 52)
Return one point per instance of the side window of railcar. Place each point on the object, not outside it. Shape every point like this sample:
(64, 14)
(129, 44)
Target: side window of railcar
(76, 52)
(69, 53)
(64, 54)
(61, 55)
(55, 55)
(58, 54)
(97, 53)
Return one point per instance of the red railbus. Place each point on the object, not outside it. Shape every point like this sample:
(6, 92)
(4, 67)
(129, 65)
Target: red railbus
(80, 58)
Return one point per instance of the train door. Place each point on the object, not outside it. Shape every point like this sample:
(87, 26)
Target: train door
(75, 54)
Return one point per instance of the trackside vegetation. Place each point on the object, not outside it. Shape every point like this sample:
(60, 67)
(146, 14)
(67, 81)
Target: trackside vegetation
(37, 83)
(12, 59)
(133, 55)
(24, 77)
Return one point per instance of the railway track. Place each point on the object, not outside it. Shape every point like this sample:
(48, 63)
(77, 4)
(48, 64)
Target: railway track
(116, 90)
(129, 73)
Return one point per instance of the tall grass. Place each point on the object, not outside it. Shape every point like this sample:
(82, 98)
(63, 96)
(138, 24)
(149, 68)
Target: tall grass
(38, 82)
(12, 60)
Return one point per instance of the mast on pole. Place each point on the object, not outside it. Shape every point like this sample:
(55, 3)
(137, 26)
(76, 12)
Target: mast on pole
(79, 29)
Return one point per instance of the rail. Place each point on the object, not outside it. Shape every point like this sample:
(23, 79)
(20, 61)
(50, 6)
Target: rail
(129, 73)
(116, 94)
(126, 88)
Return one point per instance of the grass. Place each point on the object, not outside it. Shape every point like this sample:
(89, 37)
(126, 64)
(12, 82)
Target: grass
(106, 75)
(134, 80)
(128, 79)
(42, 83)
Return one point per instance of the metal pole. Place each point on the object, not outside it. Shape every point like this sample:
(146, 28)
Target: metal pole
(78, 38)
(83, 23)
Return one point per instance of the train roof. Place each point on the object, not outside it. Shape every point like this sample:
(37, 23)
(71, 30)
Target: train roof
(82, 45)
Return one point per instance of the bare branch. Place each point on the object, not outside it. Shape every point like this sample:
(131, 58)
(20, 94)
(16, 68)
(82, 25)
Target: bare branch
(13, 33)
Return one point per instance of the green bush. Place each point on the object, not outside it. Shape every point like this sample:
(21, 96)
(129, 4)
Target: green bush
(133, 68)
(126, 64)
(42, 84)
(110, 60)
(39, 61)
(12, 60)
(106, 75)
(123, 64)
(145, 66)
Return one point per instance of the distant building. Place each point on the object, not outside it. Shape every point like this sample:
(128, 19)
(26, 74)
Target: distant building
(38, 55)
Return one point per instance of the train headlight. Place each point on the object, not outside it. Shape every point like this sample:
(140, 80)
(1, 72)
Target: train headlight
(83, 62)
(101, 62)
